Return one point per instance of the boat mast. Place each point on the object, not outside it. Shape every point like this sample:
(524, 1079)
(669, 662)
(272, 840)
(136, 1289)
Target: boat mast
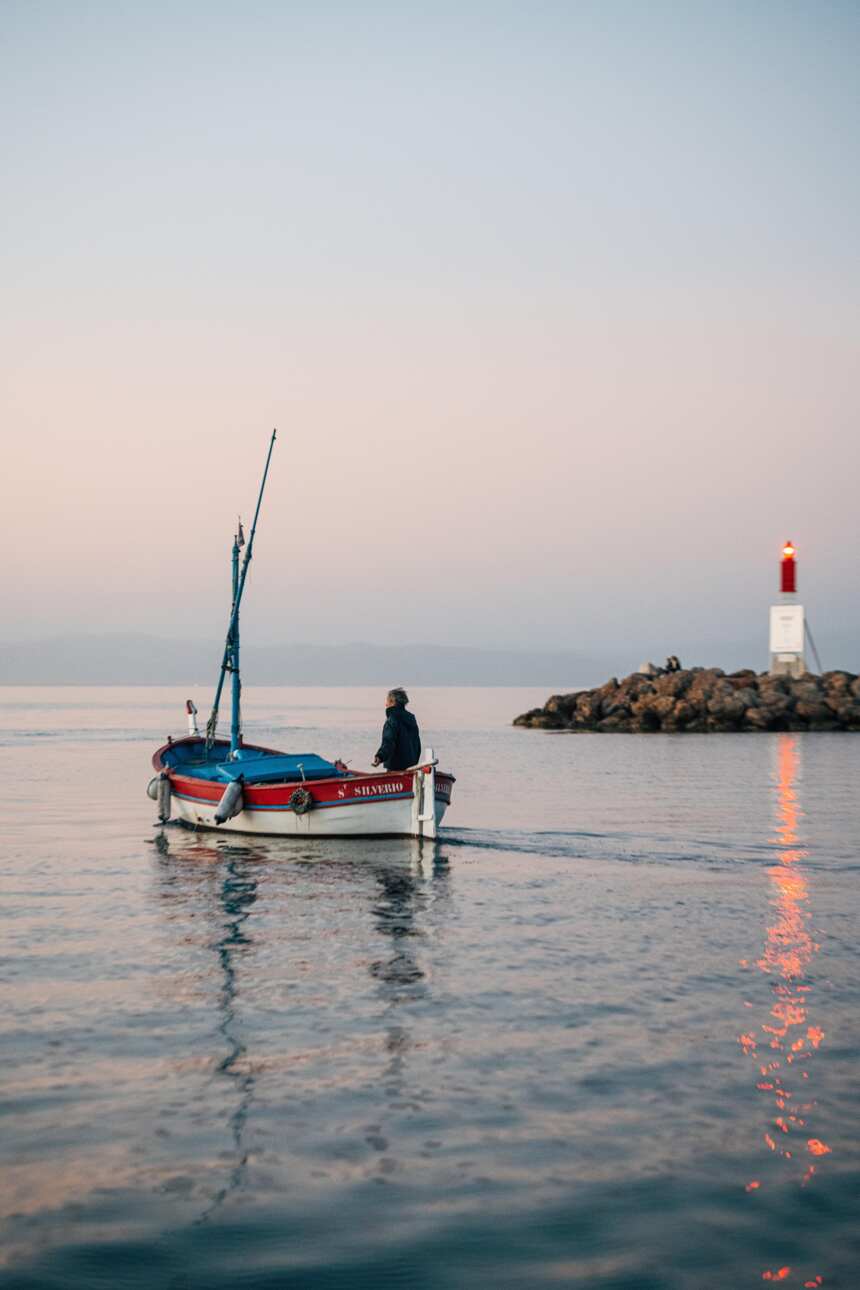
(235, 707)
(230, 661)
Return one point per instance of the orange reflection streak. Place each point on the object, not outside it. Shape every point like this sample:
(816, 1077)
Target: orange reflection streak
(787, 1036)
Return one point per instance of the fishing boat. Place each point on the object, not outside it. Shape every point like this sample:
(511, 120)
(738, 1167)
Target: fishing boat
(213, 782)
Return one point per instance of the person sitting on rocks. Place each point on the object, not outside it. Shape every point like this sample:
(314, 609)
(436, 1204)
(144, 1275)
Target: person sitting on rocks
(401, 740)
(673, 663)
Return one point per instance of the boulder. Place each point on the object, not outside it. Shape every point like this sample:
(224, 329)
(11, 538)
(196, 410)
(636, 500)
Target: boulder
(563, 703)
(775, 714)
(759, 719)
(616, 722)
(726, 707)
(707, 683)
(645, 703)
(805, 691)
(775, 699)
(646, 722)
(615, 698)
(807, 682)
(837, 682)
(812, 710)
(699, 694)
(673, 683)
(627, 695)
(849, 715)
(663, 705)
(683, 713)
(547, 721)
(588, 706)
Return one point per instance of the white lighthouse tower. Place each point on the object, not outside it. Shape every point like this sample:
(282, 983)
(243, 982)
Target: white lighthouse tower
(787, 623)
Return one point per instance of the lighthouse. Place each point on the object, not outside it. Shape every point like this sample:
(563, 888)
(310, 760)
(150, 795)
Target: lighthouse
(787, 624)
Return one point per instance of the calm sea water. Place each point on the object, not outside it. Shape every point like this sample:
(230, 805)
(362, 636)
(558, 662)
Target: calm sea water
(604, 1033)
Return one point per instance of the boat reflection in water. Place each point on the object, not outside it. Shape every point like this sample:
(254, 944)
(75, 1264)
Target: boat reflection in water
(227, 871)
(398, 883)
(783, 1046)
(406, 901)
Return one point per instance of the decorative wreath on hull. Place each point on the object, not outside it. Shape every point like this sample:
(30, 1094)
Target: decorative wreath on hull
(301, 801)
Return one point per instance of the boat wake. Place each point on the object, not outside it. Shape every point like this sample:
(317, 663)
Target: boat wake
(630, 848)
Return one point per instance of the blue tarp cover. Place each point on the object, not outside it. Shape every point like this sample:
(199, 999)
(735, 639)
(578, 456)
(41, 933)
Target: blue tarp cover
(257, 766)
(270, 770)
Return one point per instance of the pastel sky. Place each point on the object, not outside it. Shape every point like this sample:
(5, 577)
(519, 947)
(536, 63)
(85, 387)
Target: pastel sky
(554, 305)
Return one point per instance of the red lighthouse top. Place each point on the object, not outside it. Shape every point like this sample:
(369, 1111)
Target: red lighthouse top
(788, 569)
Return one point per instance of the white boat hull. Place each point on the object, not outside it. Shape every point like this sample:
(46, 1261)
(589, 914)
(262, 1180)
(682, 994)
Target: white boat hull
(359, 819)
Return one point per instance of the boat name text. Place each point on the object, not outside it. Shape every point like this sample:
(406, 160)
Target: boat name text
(371, 790)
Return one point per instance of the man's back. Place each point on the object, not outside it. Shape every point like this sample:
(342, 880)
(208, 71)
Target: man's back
(401, 739)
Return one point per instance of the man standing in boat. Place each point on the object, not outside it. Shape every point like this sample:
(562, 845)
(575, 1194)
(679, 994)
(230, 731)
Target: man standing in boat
(401, 741)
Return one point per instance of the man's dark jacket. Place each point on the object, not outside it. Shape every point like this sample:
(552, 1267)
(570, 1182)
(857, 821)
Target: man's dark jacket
(401, 742)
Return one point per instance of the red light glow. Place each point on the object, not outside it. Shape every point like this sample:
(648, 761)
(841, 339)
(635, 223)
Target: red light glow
(788, 570)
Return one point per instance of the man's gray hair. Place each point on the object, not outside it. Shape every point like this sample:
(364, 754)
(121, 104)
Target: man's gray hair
(399, 695)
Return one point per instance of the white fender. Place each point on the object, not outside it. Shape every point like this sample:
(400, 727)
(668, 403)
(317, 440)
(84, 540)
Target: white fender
(232, 802)
(163, 797)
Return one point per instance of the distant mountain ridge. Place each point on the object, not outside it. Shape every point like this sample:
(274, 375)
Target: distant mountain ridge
(133, 658)
(137, 659)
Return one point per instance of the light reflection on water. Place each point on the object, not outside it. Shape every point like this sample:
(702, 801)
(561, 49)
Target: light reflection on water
(787, 1038)
(784, 1045)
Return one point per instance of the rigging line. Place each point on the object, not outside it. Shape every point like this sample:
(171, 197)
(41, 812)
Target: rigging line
(808, 631)
(212, 723)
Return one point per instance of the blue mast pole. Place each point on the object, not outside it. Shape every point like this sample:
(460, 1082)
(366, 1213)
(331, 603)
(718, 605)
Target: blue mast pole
(235, 712)
(233, 625)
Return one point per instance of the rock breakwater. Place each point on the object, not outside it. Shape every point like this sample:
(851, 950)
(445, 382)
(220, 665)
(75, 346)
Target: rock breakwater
(705, 699)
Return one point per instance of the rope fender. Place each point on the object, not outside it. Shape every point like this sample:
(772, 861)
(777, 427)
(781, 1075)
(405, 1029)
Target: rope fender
(301, 801)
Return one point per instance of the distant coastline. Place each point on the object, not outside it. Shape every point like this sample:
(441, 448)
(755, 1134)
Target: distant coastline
(137, 659)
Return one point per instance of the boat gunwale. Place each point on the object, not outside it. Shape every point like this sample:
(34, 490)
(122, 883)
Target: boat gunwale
(174, 771)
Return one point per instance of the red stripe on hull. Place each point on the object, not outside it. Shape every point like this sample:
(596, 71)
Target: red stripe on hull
(334, 792)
